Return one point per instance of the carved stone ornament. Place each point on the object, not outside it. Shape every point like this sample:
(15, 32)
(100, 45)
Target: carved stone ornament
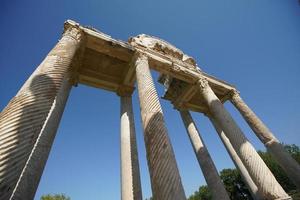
(72, 29)
(203, 83)
(162, 47)
(234, 93)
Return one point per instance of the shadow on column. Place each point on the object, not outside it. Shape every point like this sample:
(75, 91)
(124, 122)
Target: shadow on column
(165, 179)
(20, 125)
(266, 183)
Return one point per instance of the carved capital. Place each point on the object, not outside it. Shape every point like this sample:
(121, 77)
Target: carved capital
(139, 57)
(234, 94)
(125, 91)
(73, 30)
(202, 83)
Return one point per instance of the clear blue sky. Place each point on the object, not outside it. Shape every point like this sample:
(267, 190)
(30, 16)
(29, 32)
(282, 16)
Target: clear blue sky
(254, 45)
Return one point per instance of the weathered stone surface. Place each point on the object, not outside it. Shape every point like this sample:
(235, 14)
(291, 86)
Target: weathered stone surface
(28, 124)
(165, 179)
(163, 47)
(284, 159)
(263, 178)
(130, 172)
(237, 162)
(186, 96)
(209, 170)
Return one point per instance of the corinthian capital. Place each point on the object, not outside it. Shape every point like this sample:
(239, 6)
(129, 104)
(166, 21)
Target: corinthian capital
(202, 83)
(72, 30)
(234, 93)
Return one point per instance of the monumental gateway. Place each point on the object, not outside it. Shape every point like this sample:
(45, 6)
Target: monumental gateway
(87, 56)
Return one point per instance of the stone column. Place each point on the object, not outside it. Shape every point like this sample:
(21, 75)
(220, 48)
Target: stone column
(259, 172)
(284, 159)
(237, 162)
(209, 170)
(130, 173)
(29, 122)
(165, 179)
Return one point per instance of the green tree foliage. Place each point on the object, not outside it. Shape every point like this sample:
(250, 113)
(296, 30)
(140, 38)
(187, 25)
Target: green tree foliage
(278, 172)
(203, 193)
(55, 197)
(234, 184)
(294, 150)
(236, 187)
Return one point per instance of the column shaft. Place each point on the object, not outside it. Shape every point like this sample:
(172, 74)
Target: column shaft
(165, 179)
(130, 173)
(259, 172)
(28, 124)
(209, 170)
(237, 162)
(284, 159)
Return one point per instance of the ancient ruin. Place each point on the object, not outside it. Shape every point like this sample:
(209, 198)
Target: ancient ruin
(84, 55)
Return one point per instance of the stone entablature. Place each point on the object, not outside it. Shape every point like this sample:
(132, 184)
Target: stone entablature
(162, 47)
(106, 63)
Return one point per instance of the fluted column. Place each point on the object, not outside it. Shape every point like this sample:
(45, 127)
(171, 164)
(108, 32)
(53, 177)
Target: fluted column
(130, 172)
(284, 159)
(259, 172)
(209, 170)
(29, 122)
(165, 179)
(237, 162)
